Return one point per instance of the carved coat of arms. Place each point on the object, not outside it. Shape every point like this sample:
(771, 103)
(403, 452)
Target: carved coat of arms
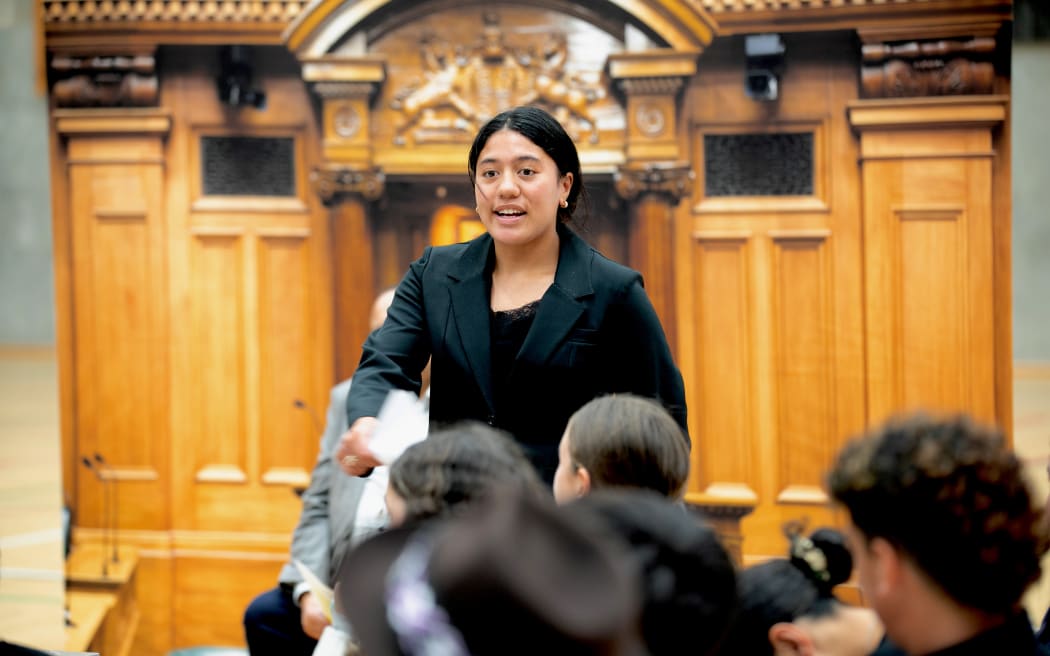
(463, 86)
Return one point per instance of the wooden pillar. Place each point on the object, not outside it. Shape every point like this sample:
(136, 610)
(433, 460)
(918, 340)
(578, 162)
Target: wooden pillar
(655, 189)
(929, 263)
(348, 182)
(654, 178)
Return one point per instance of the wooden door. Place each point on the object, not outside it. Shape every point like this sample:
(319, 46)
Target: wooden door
(770, 286)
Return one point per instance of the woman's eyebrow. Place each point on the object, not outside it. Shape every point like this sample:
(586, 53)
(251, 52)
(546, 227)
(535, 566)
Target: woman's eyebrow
(519, 158)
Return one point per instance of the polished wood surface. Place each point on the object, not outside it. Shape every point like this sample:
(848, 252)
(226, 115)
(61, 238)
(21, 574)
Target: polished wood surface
(188, 325)
(770, 300)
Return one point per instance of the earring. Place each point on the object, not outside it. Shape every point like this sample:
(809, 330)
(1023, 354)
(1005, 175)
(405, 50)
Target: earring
(477, 209)
(564, 204)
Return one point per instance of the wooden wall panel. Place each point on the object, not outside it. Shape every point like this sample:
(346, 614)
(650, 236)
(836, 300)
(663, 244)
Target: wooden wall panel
(722, 329)
(117, 227)
(286, 305)
(804, 358)
(929, 249)
(217, 319)
(798, 281)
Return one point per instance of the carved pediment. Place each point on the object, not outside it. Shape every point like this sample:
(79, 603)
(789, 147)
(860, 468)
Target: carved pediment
(463, 85)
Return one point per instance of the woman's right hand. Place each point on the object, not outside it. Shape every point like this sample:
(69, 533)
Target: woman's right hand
(353, 455)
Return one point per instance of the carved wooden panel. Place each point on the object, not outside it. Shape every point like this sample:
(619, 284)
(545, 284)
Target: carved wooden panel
(116, 190)
(450, 70)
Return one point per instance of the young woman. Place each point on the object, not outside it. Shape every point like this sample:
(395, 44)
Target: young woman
(523, 324)
(786, 605)
(621, 440)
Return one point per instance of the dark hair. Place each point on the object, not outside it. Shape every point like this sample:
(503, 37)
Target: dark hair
(785, 589)
(511, 575)
(627, 440)
(545, 131)
(951, 495)
(688, 579)
(456, 466)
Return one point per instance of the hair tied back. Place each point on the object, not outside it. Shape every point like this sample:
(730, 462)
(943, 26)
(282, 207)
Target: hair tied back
(807, 556)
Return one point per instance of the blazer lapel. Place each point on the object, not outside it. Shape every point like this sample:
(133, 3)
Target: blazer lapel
(470, 302)
(560, 307)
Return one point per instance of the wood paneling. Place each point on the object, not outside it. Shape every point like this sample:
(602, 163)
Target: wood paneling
(929, 253)
(118, 252)
(771, 330)
(722, 332)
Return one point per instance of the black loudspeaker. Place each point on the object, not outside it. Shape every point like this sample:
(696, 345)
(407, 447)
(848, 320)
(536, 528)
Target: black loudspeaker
(765, 63)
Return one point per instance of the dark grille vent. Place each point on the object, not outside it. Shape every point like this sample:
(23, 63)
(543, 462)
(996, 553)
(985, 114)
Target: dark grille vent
(758, 164)
(248, 166)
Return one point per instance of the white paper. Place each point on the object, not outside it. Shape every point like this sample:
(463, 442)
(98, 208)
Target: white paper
(403, 421)
(321, 592)
(333, 642)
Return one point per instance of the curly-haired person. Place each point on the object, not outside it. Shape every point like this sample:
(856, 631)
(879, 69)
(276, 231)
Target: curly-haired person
(944, 534)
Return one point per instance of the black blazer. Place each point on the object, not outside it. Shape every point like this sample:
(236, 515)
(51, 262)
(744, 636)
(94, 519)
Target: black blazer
(595, 332)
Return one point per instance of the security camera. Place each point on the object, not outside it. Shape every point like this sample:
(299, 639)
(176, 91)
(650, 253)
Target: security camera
(765, 62)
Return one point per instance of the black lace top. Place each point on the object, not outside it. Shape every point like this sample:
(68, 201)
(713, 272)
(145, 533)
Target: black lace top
(508, 329)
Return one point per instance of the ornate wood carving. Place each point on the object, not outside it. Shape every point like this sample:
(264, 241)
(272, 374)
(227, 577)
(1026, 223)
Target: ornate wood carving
(462, 86)
(183, 11)
(651, 81)
(928, 68)
(673, 181)
(331, 182)
(104, 81)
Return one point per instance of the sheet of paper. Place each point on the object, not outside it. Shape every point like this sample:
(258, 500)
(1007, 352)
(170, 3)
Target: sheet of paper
(403, 421)
(321, 592)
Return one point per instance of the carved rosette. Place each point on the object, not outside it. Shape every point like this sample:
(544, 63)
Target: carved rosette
(331, 182)
(104, 81)
(928, 68)
(672, 181)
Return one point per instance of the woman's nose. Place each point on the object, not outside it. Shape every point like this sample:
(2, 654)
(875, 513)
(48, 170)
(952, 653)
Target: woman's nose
(508, 186)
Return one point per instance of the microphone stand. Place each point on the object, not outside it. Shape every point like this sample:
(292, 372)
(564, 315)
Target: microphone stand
(105, 513)
(303, 405)
(114, 513)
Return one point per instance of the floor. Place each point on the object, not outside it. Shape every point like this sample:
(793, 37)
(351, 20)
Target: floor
(31, 577)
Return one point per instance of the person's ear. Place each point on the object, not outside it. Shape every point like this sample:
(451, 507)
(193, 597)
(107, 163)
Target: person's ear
(582, 480)
(787, 638)
(888, 566)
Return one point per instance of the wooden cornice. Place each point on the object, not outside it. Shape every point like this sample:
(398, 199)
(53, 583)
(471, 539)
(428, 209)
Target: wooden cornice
(116, 25)
(126, 120)
(311, 27)
(927, 113)
(876, 19)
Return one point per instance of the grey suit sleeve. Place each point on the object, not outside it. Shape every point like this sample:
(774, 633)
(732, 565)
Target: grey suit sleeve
(311, 540)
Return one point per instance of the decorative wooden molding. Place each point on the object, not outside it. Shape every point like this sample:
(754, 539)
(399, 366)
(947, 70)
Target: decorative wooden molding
(651, 81)
(132, 120)
(97, 23)
(927, 113)
(330, 182)
(325, 23)
(673, 180)
(104, 81)
(905, 19)
(928, 68)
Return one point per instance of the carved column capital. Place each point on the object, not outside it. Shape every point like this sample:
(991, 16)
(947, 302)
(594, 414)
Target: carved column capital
(346, 87)
(330, 182)
(671, 180)
(651, 83)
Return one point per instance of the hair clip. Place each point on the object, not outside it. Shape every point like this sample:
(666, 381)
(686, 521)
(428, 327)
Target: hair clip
(421, 625)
